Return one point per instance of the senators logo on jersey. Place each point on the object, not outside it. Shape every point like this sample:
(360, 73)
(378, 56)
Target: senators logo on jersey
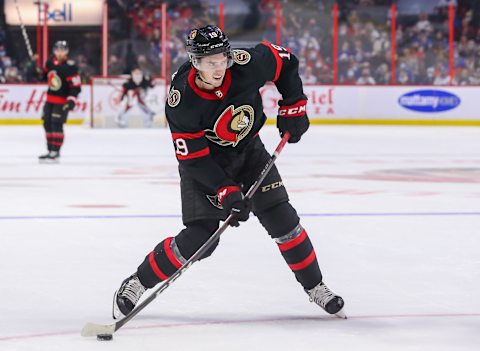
(241, 57)
(232, 126)
(54, 81)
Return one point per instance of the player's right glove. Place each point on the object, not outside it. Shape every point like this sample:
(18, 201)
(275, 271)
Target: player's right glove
(39, 73)
(292, 118)
(233, 201)
(69, 106)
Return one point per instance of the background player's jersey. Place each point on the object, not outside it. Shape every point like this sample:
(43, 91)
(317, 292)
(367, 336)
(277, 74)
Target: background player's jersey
(205, 123)
(63, 80)
(133, 90)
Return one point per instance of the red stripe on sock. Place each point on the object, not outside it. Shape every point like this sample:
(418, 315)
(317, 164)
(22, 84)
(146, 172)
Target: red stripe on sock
(155, 268)
(56, 135)
(294, 242)
(170, 254)
(305, 263)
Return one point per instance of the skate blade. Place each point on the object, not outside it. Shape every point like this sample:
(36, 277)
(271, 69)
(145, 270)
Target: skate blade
(51, 162)
(116, 313)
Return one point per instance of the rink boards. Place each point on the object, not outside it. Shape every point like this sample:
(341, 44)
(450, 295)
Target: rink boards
(419, 105)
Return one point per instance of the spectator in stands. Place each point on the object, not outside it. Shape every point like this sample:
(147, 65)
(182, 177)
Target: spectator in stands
(115, 66)
(308, 77)
(84, 69)
(130, 59)
(146, 67)
(5, 62)
(366, 78)
(423, 23)
(475, 79)
(464, 77)
(443, 78)
(403, 77)
(382, 74)
(12, 75)
(430, 77)
(29, 69)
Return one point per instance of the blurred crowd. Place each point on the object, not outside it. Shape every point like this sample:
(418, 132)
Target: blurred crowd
(422, 45)
(364, 39)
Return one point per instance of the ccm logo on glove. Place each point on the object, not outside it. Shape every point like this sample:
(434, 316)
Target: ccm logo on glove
(297, 110)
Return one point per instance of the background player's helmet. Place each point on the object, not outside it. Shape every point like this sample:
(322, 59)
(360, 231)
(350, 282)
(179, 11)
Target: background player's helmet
(206, 41)
(61, 44)
(137, 75)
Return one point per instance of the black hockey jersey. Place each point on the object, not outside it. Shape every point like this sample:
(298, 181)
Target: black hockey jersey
(63, 80)
(137, 90)
(204, 123)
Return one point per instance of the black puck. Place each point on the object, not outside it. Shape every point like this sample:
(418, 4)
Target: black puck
(104, 337)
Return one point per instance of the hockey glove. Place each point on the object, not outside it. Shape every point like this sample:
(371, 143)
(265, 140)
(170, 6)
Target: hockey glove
(292, 118)
(232, 200)
(70, 105)
(39, 73)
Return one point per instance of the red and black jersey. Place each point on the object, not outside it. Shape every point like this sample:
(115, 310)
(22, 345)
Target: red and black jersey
(137, 90)
(63, 80)
(226, 119)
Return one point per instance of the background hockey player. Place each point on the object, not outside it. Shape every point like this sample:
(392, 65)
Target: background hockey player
(215, 113)
(64, 85)
(135, 90)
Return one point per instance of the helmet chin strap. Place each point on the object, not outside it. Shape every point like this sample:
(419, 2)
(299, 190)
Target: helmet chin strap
(199, 76)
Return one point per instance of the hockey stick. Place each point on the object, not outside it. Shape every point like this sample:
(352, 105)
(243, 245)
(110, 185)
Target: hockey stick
(92, 329)
(24, 32)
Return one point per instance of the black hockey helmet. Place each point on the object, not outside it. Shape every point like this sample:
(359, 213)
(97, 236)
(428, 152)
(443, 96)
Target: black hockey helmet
(206, 41)
(61, 44)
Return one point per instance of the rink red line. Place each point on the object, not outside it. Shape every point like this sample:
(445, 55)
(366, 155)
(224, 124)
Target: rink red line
(251, 321)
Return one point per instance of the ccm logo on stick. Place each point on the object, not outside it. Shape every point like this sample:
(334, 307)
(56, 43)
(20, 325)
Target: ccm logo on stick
(271, 186)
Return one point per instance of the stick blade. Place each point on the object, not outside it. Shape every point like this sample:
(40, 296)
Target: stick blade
(341, 314)
(92, 329)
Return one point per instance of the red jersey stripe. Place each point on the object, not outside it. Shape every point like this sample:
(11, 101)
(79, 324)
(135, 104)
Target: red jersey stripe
(188, 135)
(294, 242)
(155, 268)
(56, 99)
(201, 153)
(277, 58)
(170, 254)
(303, 264)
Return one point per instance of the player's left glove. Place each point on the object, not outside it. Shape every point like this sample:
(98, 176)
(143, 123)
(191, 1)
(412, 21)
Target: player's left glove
(235, 203)
(69, 106)
(292, 117)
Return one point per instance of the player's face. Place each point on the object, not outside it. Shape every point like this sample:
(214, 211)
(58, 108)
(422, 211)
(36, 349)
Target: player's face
(60, 54)
(137, 76)
(213, 68)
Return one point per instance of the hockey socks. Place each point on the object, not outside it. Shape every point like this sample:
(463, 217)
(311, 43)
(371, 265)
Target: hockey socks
(161, 263)
(298, 252)
(54, 141)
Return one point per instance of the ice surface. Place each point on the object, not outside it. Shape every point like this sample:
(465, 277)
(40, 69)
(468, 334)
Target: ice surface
(393, 212)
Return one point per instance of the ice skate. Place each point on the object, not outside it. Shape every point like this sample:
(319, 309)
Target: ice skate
(326, 299)
(127, 296)
(50, 157)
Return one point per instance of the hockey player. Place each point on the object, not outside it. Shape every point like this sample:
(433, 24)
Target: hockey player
(64, 85)
(214, 110)
(136, 88)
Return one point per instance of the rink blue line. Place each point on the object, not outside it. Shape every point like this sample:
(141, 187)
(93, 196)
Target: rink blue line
(360, 214)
